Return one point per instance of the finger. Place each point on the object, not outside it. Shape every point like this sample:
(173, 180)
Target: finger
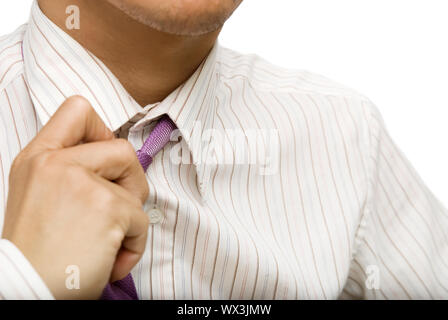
(133, 222)
(133, 246)
(128, 256)
(134, 242)
(75, 121)
(114, 160)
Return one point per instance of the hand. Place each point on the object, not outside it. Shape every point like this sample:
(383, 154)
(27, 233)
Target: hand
(75, 198)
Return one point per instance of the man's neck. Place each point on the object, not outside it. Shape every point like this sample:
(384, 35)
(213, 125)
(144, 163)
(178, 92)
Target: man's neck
(150, 64)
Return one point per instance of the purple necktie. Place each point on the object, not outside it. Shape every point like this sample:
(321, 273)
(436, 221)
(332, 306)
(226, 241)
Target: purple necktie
(125, 289)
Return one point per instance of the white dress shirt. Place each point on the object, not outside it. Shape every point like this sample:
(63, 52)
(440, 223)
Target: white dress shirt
(285, 185)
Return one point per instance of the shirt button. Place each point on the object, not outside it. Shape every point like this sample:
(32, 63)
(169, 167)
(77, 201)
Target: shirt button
(155, 215)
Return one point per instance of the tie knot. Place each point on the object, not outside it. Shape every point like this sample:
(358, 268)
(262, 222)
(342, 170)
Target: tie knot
(156, 140)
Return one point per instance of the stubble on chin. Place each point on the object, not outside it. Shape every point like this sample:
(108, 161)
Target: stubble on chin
(173, 22)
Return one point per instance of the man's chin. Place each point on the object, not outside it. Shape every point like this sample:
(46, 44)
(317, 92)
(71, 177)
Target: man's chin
(183, 21)
(181, 27)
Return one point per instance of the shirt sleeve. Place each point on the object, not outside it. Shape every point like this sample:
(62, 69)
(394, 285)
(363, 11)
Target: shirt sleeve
(18, 279)
(402, 240)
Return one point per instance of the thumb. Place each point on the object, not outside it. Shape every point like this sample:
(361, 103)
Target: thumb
(74, 122)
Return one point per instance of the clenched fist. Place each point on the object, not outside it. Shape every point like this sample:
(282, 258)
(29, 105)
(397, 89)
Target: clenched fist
(75, 198)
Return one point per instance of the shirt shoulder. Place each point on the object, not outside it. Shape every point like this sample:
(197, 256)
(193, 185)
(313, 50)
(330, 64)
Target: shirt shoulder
(265, 76)
(297, 89)
(11, 59)
(330, 113)
(15, 107)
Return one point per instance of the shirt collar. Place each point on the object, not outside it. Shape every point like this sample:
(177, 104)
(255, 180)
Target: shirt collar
(57, 67)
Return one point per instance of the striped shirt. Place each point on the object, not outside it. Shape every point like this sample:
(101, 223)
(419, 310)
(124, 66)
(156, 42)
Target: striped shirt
(285, 185)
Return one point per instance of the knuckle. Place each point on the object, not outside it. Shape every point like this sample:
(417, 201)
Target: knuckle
(125, 149)
(76, 176)
(116, 236)
(78, 101)
(135, 201)
(79, 106)
(17, 163)
(118, 223)
(22, 159)
(124, 145)
(42, 162)
(145, 191)
(106, 206)
(38, 165)
(105, 198)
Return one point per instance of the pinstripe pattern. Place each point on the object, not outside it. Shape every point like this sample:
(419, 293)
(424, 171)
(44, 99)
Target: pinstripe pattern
(342, 207)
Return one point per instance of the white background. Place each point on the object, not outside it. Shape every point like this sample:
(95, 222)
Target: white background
(394, 51)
